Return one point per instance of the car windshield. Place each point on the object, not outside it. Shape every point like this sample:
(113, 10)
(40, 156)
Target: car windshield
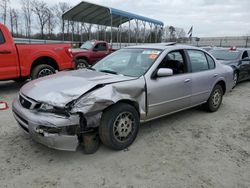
(226, 55)
(128, 62)
(87, 45)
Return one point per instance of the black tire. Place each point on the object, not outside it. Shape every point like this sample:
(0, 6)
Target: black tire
(90, 143)
(235, 79)
(41, 71)
(81, 64)
(215, 99)
(123, 134)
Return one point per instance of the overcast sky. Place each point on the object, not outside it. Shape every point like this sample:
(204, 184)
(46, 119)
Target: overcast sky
(208, 17)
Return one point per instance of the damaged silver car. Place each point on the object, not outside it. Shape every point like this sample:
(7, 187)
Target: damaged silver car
(111, 98)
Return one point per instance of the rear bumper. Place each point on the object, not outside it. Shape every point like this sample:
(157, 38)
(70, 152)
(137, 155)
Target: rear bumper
(30, 121)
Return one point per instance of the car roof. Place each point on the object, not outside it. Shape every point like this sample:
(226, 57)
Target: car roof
(164, 46)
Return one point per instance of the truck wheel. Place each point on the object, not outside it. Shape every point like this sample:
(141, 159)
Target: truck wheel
(119, 126)
(41, 71)
(81, 64)
(215, 99)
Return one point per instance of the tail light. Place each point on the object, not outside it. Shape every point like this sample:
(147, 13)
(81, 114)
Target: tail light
(233, 48)
(3, 105)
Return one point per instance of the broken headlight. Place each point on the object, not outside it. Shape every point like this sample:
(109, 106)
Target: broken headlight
(52, 109)
(46, 107)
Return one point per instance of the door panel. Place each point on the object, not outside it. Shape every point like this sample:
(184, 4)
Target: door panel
(168, 94)
(8, 59)
(203, 77)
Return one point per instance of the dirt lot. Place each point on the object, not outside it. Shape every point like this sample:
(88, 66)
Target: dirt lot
(189, 149)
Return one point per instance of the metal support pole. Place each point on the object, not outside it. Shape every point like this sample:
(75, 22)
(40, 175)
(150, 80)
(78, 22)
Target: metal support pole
(156, 27)
(150, 36)
(129, 31)
(137, 28)
(81, 33)
(111, 32)
(63, 30)
(144, 32)
(120, 32)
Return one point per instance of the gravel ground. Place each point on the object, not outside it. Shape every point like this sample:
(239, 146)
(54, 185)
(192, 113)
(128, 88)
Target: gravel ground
(188, 149)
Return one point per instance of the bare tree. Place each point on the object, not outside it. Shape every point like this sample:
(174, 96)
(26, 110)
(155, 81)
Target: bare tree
(51, 24)
(41, 10)
(60, 8)
(11, 20)
(27, 12)
(15, 20)
(87, 28)
(4, 7)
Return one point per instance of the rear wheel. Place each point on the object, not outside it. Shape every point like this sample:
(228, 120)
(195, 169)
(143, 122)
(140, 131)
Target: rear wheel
(215, 99)
(41, 71)
(119, 126)
(235, 79)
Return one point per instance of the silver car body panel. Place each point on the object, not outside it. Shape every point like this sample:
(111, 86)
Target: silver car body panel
(91, 92)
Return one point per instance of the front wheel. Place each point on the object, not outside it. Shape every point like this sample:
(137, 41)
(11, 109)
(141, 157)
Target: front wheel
(119, 126)
(215, 99)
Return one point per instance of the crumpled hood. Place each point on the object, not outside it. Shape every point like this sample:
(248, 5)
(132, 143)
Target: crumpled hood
(63, 87)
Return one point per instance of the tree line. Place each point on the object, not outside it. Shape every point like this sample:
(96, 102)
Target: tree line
(38, 20)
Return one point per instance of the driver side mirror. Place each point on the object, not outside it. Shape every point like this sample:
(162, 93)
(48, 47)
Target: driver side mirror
(164, 72)
(3, 106)
(95, 50)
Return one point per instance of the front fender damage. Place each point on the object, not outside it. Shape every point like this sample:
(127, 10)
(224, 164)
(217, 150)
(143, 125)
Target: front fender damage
(93, 103)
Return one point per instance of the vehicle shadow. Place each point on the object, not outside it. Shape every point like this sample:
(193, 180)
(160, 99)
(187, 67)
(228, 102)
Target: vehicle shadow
(10, 87)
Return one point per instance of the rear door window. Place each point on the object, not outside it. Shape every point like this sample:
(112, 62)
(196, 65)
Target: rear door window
(211, 62)
(2, 40)
(198, 60)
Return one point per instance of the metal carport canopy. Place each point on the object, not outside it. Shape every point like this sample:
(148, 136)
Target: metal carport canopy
(101, 15)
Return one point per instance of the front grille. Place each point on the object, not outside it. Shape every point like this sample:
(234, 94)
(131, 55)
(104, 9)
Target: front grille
(24, 102)
(28, 103)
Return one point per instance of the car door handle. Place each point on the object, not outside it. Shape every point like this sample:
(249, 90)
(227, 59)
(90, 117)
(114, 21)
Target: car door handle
(5, 52)
(187, 80)
(215, 75)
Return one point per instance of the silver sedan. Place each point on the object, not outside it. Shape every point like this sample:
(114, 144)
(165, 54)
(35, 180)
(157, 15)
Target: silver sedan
(111, 98)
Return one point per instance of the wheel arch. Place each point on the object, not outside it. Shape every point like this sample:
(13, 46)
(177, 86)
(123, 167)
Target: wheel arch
(130, 102)
(45, 60)
(82, 57)
(222, 84)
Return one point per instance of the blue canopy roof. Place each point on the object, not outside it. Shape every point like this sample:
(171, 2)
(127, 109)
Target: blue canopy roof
(101, 15)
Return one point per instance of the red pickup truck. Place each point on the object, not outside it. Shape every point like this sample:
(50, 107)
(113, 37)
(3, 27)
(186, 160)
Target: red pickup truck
(21, 61)
(90, 52)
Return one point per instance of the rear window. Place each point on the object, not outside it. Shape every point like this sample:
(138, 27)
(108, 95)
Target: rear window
(2, 40)
(226, 55)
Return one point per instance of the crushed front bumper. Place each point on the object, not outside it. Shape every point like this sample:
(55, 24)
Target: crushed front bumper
(31, 122)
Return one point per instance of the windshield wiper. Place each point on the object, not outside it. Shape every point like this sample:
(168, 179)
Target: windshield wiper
(108, 71)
